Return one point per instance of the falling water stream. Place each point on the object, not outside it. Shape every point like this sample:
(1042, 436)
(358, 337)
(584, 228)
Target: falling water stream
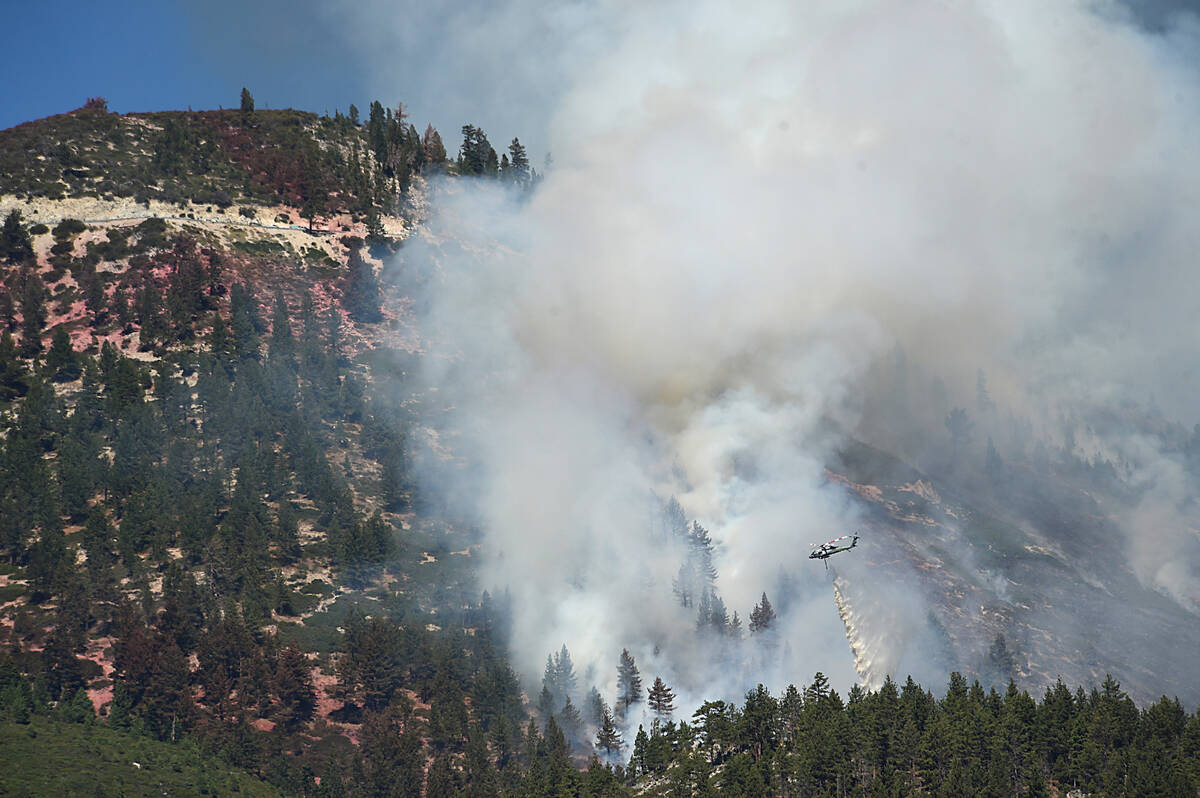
(868, 653)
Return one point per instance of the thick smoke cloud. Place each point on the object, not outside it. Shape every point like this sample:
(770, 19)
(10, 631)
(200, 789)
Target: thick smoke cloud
(749, 210)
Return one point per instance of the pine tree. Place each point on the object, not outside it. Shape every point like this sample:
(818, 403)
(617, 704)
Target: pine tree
(13, 382)
(959, 427)
(332, 357)
(247, 103)
(556, 747)
(718, 617)
(33, 312)
(759, 727)
(46, 557)
(287, 526)
(735, 626)
(312, 354)
(220, 344)
(377, 132)
(282, 344)
(150, 316)
(762, 616)
(545, 701)
(701, 552)
(661, 698)
(629, 683)
(245, 322)
(704, 611)
(435, 150)
(314, 193)
(15, 245)
(375, 230)
(62, 364)
(637, 762)
(674, 520)
(818, 690)
(94, 298)
(696, 577)
(293, 684)
(8, 309)
(564, 673)
(570, 720)
(394, 478)
(400, 157)
(442, 781)
(550, 681)
(361, 296)
(608, 739)
(476, 156)
(518, 164)
(77, 467)
(683, 586)
(1000, 666)
(993, 465)
(120, 307)
(595, 707)
(479, 775)
(186, 294)
(97, 542)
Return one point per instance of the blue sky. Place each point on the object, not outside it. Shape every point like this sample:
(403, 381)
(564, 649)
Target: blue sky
(314, 55)
(148, 56)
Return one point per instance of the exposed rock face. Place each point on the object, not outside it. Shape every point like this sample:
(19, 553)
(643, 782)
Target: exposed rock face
(1044, 565)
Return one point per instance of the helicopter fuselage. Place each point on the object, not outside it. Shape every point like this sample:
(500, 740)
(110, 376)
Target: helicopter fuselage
(828, 550)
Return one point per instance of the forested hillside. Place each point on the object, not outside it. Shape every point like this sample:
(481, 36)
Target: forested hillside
(212, 534)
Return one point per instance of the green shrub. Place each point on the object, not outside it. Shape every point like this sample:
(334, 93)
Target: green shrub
(318, 587)
(152, 234)
(152, 226)
(67, 228)
(262, 248)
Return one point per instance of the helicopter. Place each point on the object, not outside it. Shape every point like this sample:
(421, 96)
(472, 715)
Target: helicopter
(823, 551)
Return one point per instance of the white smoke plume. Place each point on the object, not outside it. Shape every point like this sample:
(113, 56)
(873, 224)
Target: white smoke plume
(749, 207)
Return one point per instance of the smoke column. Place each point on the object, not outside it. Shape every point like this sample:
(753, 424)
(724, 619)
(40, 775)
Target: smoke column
(749, 209)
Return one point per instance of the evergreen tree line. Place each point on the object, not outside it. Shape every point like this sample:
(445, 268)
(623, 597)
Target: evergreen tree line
(477, 157)
(589, 724)
(904, 741)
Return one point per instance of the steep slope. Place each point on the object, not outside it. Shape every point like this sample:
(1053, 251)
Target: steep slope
(42, 757)
(210, 530)
(1033, 559)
